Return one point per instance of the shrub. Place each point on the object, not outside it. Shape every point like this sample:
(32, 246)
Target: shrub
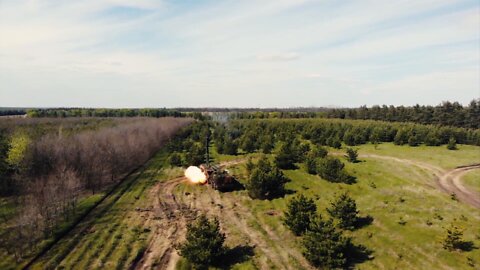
(349, 138)
(344, 208)
(352, 155)
(287, 156)
(230, 147)
(311, 164)
(195, 156)
(334, 142)
(331, 169)
(452, 144)
(319, 152)
(453, 238)
(175, 160)
(300, 212)
(413, 140)
(401, 137)
(267, 145)
(204, 242)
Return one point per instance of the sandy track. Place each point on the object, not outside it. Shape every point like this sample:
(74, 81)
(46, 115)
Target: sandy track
(170, 216)
(447, 181)
(451, 181)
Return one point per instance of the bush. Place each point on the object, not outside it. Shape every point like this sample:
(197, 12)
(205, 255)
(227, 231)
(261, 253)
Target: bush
(401, 137)
(286, 157)
(334, 142)
(331, 169)
(452, 144)
(230, 146)
(249, 142)
(325, 246)
(453, 238)
(195, 156)
(204, 242)
(344, 208)
(352, 155)
(267, 144)
(266, 181)
(300, 212)
(311, 164)
(349, 138)
(175, 160)
(432, 139)
(319, 152)
(413, 140)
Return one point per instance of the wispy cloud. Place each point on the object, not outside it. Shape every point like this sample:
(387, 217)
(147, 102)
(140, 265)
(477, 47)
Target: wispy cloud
(288, 56)
(169, 53)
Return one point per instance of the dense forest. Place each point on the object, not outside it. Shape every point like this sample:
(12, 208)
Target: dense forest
(445, 114)
(90, 112)
(47, 165)
(260, 134)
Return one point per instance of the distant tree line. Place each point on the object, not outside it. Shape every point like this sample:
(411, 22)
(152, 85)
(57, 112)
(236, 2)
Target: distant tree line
(103, 112)
(49, 173)
(262, 135)
(12, 111)
(445, 114)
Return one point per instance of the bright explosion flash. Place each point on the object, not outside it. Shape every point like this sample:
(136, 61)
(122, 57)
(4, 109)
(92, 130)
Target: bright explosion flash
(195, 175)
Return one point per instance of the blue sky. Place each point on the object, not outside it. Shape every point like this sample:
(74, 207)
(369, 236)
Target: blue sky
(145, 53)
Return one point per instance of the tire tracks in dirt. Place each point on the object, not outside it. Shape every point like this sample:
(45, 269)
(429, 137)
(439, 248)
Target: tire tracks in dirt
(451, 181)
(169, 217)
(172, 216)
(447, 181)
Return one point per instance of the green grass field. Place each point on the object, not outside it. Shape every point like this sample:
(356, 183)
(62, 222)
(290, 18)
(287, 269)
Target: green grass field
(389, 192)
(472, 180)
(114, 233)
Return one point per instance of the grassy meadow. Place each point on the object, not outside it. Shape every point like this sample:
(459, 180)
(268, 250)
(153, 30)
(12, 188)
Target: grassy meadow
(409, 214)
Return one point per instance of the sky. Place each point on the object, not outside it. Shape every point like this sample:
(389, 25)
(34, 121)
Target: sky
(248, 53)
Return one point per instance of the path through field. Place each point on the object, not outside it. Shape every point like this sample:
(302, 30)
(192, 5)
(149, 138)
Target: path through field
(447, 181)
(173, 214)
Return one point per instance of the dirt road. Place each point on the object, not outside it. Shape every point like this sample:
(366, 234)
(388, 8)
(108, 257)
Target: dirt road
(170, 216)
(447, 181)
(451, 182)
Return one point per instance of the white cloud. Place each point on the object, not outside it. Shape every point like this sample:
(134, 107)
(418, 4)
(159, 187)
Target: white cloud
(288, 56)
(318, 47)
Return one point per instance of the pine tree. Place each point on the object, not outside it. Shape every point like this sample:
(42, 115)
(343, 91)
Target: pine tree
(344, 208)
(195, 156)
(311, 164)
(349, 138)
(324, 245)
(453, 238)
(230, 146)
(266, 181)
(452, 144)
(267, 145)
(204, 242)
(332, 169)
(286, 157)
(175, 160)
(300, 212)
(352, 155)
